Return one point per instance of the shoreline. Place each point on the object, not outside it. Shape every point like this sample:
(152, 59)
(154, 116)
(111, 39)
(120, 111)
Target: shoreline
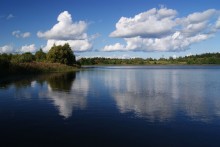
(37, 68)
(83, 66)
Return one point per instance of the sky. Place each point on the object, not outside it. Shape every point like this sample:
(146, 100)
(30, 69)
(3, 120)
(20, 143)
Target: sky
(111, 28)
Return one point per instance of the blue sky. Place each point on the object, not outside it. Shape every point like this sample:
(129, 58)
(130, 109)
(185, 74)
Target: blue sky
(145, 28)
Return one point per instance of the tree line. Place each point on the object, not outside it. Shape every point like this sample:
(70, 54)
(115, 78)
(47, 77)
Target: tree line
(207, 58)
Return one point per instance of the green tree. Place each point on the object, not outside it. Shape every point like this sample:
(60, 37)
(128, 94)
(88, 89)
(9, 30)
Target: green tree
(26, 57)
(23, 58)
(4, 60)
(61, 54)
(40, 56)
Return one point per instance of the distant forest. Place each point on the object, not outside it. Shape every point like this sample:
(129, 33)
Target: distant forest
(207, 58)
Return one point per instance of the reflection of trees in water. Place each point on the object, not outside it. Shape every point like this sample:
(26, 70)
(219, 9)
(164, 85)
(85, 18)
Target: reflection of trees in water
(24, 81)
(23, 85)
(66, 92)
(17, 81)
(61, 82)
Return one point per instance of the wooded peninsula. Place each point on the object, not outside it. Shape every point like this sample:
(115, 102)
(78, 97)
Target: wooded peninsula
(58, 59)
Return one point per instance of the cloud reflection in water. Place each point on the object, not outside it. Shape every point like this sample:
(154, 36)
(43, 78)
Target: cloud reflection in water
(70, 98)
(162, 95)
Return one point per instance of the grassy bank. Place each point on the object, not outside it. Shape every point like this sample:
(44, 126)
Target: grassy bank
(36, 67)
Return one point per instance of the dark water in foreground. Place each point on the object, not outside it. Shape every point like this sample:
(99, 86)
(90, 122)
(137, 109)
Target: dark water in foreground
(113, 106)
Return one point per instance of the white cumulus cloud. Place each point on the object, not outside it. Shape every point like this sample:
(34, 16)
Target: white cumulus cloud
(67, 31)
(161, 30)
(25, 48)
(153, 23)
(114, 47)
(19, 34)
(6, 49)
(218, 23)
(28, 48)
(200, 16)
(76, 45)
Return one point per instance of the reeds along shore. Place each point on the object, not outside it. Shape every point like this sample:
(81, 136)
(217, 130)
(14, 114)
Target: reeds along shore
(35, 67)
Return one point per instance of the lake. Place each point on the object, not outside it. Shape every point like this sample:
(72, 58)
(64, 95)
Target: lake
(113, 106)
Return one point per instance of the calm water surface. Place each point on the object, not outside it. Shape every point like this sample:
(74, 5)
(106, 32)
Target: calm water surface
(113, 106)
